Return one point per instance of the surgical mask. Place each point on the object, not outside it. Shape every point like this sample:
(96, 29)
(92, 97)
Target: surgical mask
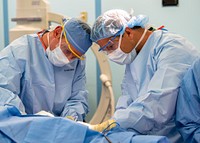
(119, 57)
(56, 56)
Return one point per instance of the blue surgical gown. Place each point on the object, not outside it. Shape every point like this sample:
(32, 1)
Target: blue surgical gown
(188, 105)
(151, 84)
(31, 83)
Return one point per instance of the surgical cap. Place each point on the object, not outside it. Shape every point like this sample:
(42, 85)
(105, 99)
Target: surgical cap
(78, 34)
(114, 22)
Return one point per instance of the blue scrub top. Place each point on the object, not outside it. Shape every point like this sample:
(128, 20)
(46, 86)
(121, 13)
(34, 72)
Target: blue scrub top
(151, 84)
(31, 83)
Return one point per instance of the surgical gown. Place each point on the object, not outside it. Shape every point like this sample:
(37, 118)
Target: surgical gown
(151, 84)
(31, 83)
(188, 105)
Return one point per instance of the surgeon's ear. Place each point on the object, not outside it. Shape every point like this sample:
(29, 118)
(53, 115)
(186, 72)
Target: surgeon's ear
(127, 41)
(57, 32)
(128, 33)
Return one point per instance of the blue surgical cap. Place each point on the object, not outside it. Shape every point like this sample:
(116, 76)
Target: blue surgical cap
(114, 22)
(78, 34)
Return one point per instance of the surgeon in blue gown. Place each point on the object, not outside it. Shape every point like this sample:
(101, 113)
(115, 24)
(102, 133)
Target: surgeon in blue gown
(156, 61)
(44, 73)
(188, 105)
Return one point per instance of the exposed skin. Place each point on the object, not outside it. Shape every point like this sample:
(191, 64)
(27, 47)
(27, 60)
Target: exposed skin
(129, 40)
(54, 37)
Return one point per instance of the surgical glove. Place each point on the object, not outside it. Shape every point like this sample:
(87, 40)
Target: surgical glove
(109, 124)
(71, 118)
(44, 113)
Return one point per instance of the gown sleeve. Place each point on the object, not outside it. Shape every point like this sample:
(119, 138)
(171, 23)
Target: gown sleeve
(10, 75)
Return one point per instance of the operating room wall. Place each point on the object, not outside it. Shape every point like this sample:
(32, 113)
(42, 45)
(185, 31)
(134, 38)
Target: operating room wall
(1, 27)
(183, 19)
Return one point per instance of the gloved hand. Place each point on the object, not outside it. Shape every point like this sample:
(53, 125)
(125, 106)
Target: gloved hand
(44, 113)
(71, 118)
(109, 124)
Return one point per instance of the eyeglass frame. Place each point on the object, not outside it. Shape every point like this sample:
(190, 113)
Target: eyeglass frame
(110, 41)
